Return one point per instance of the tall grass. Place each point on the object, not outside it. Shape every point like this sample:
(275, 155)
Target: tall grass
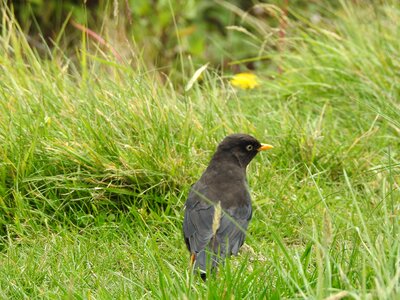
(97, 158)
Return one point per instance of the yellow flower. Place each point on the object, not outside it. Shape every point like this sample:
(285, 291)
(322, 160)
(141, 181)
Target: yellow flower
(245, 81)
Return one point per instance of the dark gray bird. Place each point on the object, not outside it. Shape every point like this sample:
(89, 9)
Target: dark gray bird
(218, 209)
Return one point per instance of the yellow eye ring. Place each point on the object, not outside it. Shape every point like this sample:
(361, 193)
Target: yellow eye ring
(249, 147)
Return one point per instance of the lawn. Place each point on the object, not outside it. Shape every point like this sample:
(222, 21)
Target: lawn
(97, 158)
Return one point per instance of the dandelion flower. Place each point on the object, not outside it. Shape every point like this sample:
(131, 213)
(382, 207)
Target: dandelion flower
(245, 81)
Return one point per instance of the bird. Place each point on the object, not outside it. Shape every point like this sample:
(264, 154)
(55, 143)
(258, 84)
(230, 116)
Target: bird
(218, 208)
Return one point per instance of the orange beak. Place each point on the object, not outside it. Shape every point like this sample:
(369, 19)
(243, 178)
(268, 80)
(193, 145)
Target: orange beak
(265, 147)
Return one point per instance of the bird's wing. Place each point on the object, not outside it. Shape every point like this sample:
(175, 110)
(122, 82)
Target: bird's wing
(232, 231)
(197, 223)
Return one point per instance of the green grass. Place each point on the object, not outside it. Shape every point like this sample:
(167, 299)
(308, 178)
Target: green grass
(96, 159)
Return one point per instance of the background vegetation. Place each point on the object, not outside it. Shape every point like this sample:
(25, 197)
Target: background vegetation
(101, 136)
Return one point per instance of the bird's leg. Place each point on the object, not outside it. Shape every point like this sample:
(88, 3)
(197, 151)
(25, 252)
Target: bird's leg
(202, 273)
(192, 259)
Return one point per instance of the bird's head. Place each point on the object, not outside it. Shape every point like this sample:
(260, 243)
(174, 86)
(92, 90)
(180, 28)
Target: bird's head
(242, 147)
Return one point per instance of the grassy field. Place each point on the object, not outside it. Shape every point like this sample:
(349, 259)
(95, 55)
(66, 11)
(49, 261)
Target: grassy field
(96, 160)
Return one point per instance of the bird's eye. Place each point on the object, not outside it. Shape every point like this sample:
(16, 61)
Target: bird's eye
(249, 147)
